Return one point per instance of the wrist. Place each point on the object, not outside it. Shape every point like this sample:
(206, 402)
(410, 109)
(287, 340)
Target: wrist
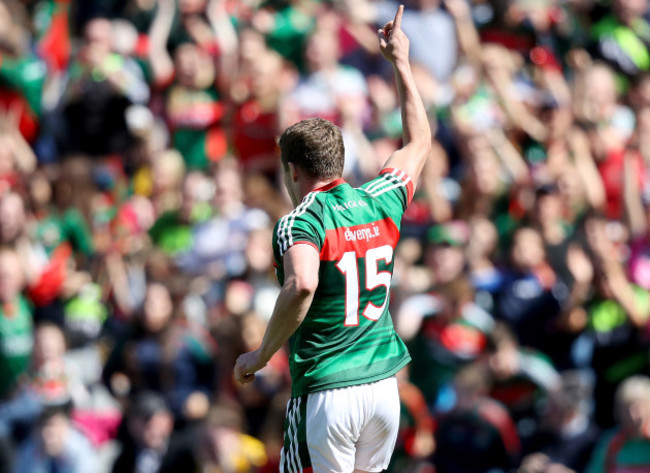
(402, 65)
(464, 18)
(263, 356)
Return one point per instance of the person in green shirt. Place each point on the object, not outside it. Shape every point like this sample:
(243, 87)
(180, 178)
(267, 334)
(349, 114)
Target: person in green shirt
(193, 82)
(627, 446)
(334, 259)
(622, 38)
(22, 73)
(16, 329)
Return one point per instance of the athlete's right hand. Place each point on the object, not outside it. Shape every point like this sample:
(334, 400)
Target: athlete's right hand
(393, 43)
(246, 366)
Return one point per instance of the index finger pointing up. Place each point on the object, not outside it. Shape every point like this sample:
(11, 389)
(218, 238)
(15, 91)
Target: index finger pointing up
(397, 22)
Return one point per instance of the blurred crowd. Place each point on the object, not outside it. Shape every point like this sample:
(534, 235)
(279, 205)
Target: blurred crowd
(140, 182)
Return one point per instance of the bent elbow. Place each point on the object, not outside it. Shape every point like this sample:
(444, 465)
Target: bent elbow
(305, 286)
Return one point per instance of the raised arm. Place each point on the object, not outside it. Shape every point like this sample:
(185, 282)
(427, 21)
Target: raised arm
(227, 40)
(416, 134)
(468, 37)
(632, 198)
(161, 62)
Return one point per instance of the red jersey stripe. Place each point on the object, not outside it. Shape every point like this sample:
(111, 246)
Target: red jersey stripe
(359, 238)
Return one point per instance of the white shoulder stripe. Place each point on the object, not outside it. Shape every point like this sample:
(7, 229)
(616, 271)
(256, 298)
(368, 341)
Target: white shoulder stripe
(386, 189)
(282, 227)
(389, 176)
(395, 177)
(378, 182)
(307, 203)
(285, 236)
(396, 183)
(390, 179)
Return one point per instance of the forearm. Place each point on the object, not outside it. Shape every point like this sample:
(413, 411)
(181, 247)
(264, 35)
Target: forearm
(23, 154)
(414, 116)
(516, 112)
(159, 59)
(290, 310)
(577, 297)
(416, 134)
(468, 39)
(632, 200)
(625, 296)
(509, 155)
(222, 26)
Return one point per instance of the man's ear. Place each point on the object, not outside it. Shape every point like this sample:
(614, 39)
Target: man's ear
(293, 172)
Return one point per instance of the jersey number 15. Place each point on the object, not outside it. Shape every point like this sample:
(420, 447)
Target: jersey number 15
(374, 278)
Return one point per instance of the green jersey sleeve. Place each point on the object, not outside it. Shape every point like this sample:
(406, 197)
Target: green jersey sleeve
(27, 76)
(393, 189)
(303, 225)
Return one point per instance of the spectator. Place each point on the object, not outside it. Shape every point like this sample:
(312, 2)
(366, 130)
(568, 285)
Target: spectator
(192, 84)
(219, 242)
(148, 428)
(528, 301)
(568, 434)
(102, 85)
(17, 326)
(629, 57)
(627, 444)
(522, 379)
(478, 434)
(220, 444)
(267, 78)
(161, 354)
(285, 26)
(617, 318)
(451, 333)
(485, 276)
(22, 73)
(56, 446)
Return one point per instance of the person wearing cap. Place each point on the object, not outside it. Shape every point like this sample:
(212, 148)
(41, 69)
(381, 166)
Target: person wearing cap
(149, 424)
(445, 254)
(445, 328)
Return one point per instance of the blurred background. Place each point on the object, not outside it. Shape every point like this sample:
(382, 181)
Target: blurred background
(140, 182)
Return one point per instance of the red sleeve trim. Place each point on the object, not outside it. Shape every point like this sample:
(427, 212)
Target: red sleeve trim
(405, 178)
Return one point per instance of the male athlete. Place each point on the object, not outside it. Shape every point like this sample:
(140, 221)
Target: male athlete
(334, 256)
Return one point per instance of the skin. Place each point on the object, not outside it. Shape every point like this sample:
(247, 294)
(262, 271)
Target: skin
(302, 262)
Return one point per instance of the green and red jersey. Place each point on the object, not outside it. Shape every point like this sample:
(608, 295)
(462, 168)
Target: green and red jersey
(16, 343)
(347, 336)
(617, 452)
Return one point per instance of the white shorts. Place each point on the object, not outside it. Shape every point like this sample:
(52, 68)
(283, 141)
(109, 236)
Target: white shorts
(339, 430)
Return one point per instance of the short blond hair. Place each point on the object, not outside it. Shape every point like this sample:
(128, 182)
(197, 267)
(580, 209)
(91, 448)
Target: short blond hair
(635, 388)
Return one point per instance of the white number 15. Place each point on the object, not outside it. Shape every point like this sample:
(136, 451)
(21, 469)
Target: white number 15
(374, 278)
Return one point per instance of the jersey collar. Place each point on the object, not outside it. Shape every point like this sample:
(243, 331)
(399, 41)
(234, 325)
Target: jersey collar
(331, 185)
